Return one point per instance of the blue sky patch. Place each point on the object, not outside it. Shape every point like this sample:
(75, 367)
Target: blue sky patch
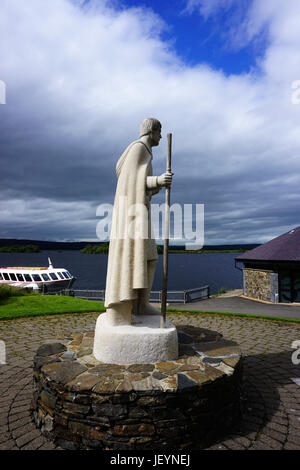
(199, 41)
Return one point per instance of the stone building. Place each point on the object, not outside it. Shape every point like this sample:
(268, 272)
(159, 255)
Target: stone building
(272, 271)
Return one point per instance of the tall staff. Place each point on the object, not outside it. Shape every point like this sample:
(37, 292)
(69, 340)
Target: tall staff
(166, 240)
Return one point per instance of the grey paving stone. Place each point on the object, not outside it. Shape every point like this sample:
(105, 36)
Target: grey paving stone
(19, 423)
(274, 400)
(36, 444)
(8, 445)
(28, 437)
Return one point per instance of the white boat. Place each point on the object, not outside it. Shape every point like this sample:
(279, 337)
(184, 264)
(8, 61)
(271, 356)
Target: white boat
(39, 279)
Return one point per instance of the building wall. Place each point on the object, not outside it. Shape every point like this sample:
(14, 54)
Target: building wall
(257, 284)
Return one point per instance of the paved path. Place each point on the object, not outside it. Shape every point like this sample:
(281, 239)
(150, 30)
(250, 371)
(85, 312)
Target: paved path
(271, 418)
(238, 304)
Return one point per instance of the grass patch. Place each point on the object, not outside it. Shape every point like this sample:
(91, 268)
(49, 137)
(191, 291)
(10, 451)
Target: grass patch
(221, 291)
(231, 314)
(38, 305)
(7, 291)
(32, 305)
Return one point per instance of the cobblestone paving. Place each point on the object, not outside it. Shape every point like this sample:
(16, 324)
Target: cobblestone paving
(271, 401)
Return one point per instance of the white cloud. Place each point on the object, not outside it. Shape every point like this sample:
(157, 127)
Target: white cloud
(208, 8)
(80, 80)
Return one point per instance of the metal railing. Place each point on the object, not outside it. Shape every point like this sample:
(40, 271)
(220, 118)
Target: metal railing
(85, 294)
(198, 293)
(173, 296)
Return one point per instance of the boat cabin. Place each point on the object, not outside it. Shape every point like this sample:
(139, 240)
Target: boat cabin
(45, 279)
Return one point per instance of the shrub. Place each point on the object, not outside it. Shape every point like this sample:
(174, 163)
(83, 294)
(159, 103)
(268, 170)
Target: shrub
(7, 291)
(96, 249)
(222, 290)
(20, 249)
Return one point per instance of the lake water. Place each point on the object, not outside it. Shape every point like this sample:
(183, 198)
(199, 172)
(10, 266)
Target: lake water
(186, 270)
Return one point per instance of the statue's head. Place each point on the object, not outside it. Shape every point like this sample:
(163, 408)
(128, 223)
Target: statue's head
(151, 127)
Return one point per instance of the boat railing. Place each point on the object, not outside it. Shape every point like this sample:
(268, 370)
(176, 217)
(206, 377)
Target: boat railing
(173, 296)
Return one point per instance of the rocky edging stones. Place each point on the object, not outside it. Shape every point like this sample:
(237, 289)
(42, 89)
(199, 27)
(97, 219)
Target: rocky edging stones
(81, 403)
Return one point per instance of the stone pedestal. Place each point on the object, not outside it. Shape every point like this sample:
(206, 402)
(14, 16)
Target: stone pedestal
(141, 343)
(186, 403)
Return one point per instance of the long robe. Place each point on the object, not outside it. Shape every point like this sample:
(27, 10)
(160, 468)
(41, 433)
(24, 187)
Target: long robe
(128, 255)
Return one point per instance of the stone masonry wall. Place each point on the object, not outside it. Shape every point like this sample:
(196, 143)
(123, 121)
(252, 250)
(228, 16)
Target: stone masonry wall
(257, 284)
(82, 403)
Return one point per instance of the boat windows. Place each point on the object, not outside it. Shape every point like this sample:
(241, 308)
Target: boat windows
(69, 274)
(65, 274)
(53, 276)
(61, 276)
(6, 276)
(20, 277)
(1, 277)
(46, 277)
(13, 276)
(27, 277)
(36, 277)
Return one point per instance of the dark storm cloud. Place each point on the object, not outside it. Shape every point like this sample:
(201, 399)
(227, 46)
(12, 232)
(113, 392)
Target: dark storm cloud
(79, 82)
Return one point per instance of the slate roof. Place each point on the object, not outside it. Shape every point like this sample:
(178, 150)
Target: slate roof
(286, 247)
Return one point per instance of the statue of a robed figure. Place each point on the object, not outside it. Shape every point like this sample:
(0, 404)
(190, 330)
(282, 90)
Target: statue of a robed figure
(132, 255)
(132, 252)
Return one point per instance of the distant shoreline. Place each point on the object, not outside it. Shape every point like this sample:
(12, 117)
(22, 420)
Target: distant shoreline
(237, 250)
(62, 246)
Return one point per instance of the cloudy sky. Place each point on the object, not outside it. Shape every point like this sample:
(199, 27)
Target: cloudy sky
(222, 75)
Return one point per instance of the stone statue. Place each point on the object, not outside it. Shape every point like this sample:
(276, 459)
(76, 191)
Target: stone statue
(132, 252)
(129, 331)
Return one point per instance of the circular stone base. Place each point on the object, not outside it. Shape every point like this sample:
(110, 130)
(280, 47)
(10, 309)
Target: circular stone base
(140, 343)
(186, 403)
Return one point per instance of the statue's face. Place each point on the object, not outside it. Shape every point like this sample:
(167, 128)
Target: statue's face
(155, 137)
